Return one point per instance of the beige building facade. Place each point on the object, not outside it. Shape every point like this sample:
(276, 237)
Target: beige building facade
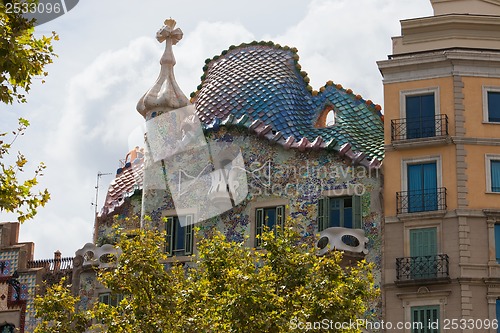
(442, 194)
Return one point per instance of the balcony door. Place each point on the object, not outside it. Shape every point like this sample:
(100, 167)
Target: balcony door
(420, 116)
(422, 187)
(423, 252)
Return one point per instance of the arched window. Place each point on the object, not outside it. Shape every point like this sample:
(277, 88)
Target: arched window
(330, 118)
(327, 118)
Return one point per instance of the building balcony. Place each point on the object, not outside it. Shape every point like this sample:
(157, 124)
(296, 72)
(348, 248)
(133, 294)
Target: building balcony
(424, 131)
(421, 201)
(422, 270)
(423, 127)
(342, 239)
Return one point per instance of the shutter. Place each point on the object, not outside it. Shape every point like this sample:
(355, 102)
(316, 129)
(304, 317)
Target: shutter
(430, 186)
(493, 106)
(497, 242)
(323, 217)
(495, 176)
(356, 212)
(169, 239)
(427, 316)
(188, 241)
(259, 222)
(280, 218)
(498, 309)
(423, 242)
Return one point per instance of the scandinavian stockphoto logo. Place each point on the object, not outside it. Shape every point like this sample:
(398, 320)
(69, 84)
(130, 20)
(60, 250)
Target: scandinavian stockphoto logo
(209, 175)
(42, 11)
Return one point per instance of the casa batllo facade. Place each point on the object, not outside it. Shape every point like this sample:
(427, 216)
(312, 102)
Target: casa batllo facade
(253, 146)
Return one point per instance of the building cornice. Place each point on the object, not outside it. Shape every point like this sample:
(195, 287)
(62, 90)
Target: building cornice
(441, 63)
(450, 30)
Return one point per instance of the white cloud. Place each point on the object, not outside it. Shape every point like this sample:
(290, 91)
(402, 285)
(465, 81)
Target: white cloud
(341, 40)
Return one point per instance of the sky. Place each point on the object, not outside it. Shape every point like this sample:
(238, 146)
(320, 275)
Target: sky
(83, 115)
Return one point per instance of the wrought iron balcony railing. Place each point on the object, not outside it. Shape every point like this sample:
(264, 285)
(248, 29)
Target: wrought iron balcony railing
(423, 127)
(421, 200)
(422, 268)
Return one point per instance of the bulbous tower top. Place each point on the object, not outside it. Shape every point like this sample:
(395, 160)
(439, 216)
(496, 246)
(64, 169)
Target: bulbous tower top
(165, 95)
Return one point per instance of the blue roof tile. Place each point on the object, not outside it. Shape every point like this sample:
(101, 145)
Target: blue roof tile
(261, 84)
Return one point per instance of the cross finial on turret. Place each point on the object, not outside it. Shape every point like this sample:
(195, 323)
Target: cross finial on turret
(165, 95)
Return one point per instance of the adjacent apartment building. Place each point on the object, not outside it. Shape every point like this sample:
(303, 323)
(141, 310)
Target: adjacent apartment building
(442, 165)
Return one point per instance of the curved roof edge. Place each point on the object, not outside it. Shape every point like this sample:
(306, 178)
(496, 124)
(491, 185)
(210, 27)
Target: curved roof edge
(376, 108)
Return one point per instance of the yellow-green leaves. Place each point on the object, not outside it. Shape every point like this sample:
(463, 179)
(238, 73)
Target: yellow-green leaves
(22, 55)
(231, 287)
(19, 196)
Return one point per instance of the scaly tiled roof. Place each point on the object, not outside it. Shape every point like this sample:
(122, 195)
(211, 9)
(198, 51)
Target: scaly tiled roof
(129, 178)
(260, 86)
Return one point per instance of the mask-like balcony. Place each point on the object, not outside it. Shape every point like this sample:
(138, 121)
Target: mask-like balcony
(342, 239)
(422, 270)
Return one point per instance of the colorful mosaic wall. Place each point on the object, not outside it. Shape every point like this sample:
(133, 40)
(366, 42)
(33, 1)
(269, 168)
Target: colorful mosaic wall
(28, 290)
(11, 257)
(87, 288)
(298, 177)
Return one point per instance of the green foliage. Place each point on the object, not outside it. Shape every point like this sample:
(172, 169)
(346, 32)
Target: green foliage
(60, 314)
(22, 56)
(231, 287)
(18, 196)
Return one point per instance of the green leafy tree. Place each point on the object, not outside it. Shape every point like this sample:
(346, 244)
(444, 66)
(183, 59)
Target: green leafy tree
(18, 196)
(22, 58)
(22, 55)
(231, 288)
(61, 312)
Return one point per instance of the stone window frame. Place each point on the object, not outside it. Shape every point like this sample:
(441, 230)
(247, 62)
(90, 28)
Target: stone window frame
(422, 224)
(417, 92)
(419, 160)
(423, 297)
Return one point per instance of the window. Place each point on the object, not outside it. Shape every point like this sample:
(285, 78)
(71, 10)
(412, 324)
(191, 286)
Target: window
(339, 212)
(327, 117)
(495, 175)
(494, 106)
(420, 116)
(425, 319)
(423, 252)
(272, 217)
(330, 118)
(491, 104)
(110, 299)
(497, 310)
(422, 187)
(497, 242)
(179, 238)
(7, 328)
(492, 163)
